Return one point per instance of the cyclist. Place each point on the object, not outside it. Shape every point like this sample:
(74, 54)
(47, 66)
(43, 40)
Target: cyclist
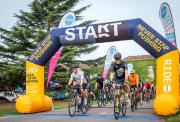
(100, 85)
(119, 73)
(77, 76)
(153, 91)
(77, 79)
(107, 82)
(140, 89)
(89, 86)
(134, 82)
(148, 87)
(133, 78)
(107, 85)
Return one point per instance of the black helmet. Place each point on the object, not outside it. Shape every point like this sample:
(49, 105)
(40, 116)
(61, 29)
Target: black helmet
(117, 55)
(74, 66)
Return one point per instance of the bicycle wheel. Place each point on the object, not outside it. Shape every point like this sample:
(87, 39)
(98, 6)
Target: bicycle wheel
(72, 106)
(111, 97)
(100, 99)
(99, 102)
(116, 107)
(90, 101)
(132, 103)
(105, 100)
(84, 107)
(123, 108)
(135, 104)
(108, 98)
(148, 98)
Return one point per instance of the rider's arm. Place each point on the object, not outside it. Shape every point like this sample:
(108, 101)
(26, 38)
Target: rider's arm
(126, 75)
(126, 72)
(96, 86)
(81, 82)
(103, 84)
(70, 80)
(82, 78)
(111, 76)
(137, 80)
(112, 72)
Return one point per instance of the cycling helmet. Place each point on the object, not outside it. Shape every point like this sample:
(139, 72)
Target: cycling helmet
(133, 71)
(74, 66)
(117, 55)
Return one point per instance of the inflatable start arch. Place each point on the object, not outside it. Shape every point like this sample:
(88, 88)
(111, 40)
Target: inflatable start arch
(167, 83)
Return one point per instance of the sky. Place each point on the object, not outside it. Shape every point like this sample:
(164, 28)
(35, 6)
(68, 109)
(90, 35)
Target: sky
(107, 11)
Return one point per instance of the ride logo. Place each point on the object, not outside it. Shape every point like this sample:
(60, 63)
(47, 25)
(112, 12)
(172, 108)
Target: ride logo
(167, 74)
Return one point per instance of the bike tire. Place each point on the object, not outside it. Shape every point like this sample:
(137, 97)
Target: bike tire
(72, 105)
(90, 102)
(84, 107)
(123, 109)
(116, 107)
(132, 103)
(100, 102)
(136, 105)
(105, 101)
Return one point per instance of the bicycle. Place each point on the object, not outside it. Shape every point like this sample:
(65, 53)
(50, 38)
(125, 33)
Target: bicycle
(90, 100)
(119, 100)
(134, 100)
(148, 95)
(90, 96)
(109, 94)
(100, 100)
(75, 102)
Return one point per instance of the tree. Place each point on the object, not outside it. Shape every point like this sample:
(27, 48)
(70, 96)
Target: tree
(32, 27)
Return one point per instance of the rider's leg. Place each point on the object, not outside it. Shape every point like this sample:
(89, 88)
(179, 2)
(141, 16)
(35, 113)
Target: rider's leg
(126, 94)
(79, 100)
(84, 93)
(140, 96)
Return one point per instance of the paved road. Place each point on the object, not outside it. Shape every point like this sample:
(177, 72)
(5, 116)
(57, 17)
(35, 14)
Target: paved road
(143, 114)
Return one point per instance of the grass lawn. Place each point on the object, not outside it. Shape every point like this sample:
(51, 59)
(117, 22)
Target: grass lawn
(60, 104)
(173, 118)
(9, 108)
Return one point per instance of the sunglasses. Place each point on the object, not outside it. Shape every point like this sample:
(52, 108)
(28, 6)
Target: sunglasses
(117, 59)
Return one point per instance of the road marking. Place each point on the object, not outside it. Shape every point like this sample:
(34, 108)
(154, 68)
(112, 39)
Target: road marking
(144, 117)
(106, 113)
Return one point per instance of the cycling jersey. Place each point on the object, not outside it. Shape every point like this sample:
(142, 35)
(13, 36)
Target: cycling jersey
(78, 77)
(133, 79)
(119, 70)
(100, 82)
(148, 85)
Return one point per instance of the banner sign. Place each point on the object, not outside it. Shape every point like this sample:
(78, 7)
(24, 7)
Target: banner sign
(167, 22)
(108, 61)
(66, 21)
